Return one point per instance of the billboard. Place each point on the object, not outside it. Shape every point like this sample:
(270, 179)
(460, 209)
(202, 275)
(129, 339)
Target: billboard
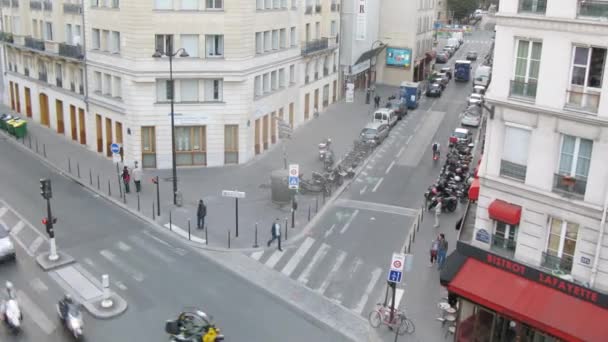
(401, 57)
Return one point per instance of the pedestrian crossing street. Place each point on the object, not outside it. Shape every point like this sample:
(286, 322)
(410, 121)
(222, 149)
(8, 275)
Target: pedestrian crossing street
(344, 279)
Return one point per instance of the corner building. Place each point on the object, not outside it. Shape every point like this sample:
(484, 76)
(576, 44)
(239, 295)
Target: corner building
(249, 64)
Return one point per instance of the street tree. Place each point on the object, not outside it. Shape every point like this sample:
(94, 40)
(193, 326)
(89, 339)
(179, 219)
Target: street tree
(462, 8)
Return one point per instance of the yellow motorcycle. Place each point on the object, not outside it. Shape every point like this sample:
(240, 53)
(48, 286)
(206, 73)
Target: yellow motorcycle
(193, 326)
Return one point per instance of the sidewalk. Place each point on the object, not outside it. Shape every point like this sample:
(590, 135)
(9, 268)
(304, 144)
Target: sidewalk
(341, 122)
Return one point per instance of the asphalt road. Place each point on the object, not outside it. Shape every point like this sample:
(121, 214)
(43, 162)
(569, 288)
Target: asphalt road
(156, 275)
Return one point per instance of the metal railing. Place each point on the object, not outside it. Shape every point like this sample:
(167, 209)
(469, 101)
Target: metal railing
(592, 9)
(42, 76)
(314, 45)
(6, 37)
(569, 185)
(512, 170)
(532, 6)
(523, 89)
(72, 51)
(33, 43)
(72, 8)
(503, 245)
(582, 101)
(318, 8)
(308, 10)
(335, 7)
(35, 5)
(554, 263)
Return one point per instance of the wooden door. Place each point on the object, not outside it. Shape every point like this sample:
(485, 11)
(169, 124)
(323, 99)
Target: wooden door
(256, 136)
(118, 126)
(108, 137)
(10, 86)
(291, 114)
(306, 106)
(265, 131)
(99, 133)
(44, 109)
(59, 113)
(17, 98)
(316, 99)
(28, 102)
(73, 126)
(148, 143)
(82, 126)
(335, 93)
(273, 127)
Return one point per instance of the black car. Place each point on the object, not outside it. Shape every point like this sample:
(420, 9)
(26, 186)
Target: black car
(434, 90)
(398, 105)
(471, 56)
(442, 57)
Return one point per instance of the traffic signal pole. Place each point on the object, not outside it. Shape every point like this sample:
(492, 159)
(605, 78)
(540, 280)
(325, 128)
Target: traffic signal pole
(53, 256)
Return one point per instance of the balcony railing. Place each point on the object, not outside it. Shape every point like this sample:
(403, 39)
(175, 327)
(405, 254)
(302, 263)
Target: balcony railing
(47, 5)
(59, 82)
(314, 46)
(557, 264)
(503, 245)
(6, 37)
(318, 8)
(593, 9)
(582, 101)
(512, 170)
(33, 43)
(566, 184)
(523, 89)
(35, 5)
(335, 7)
(43, 76)
(72, 8)
(26, 71)
(72, 51)
(308, 10)
(533, 6)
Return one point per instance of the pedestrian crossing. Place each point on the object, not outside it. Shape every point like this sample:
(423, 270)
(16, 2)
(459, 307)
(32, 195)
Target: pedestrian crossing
(331, 272)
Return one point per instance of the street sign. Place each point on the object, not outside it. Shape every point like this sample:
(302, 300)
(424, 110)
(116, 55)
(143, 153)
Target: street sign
(234, 194)
(115, 148)
(396, 269)
(294, 176)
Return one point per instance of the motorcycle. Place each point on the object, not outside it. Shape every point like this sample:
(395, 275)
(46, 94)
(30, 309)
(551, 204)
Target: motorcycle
(71, 319)
(324, 147)
(193, 326)
(328, 160)
(436, 156)
(11, 315)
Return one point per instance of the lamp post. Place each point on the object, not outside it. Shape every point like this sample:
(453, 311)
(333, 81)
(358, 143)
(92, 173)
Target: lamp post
(158, 54)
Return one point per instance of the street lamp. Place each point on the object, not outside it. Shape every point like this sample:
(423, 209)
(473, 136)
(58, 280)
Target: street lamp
(158, 54)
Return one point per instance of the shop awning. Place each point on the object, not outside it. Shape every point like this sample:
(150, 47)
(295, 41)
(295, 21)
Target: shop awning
(474, 190)
(369, 54)
(505, 212)
(542, 307)
(430, 55)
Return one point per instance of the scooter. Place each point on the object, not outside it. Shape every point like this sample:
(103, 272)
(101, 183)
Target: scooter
(72, 320)
(328, 160)
(11, 315)
(323, 148)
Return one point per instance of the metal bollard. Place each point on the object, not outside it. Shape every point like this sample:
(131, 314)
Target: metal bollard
(138, 202)
(69, 165)
(44, 150)
(153, 212)
(228, 238)
(90, 177)
(255, 241)
(189, 235)
(98, 182)
(36, 145)
(107, 302)
(206, 238)
(286, 229)
(109, 189)
(316, 205)
(78, 168)
(309, 213)
(29, 138)
(323, 197)
(119, 186)
(170, 222)
(124, 197)
(414, 235)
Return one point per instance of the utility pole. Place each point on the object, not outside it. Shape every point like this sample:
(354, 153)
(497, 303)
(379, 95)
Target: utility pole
(49, 220)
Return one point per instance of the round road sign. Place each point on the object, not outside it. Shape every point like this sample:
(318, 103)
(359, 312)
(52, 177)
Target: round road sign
(293, 172)
(397, 264)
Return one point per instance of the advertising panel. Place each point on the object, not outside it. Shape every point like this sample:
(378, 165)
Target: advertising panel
(401, 57)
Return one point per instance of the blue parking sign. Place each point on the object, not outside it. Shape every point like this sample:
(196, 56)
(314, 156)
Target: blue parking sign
(395, 276)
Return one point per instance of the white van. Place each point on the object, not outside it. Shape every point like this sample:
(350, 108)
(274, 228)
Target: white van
(453, 42)
(386, 116)
(483, 74)
(458, 35)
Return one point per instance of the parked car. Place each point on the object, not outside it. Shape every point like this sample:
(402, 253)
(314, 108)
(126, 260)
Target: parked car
(475, 109)
(442, 57)
(471, 56)
(399, 105)
(374, 133)
(447, 71)
(471, 119)
(434, 90)
(461, 136)
(479, 89)
(7, 249)
(450, 50)
(386, 116)
(475, 99)
(444, 76)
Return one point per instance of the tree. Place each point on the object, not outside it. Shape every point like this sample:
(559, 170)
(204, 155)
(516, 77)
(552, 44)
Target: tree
(462, 8)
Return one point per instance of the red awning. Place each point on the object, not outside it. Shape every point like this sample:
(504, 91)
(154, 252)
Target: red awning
(547, 309)
(505, 212)
(474, 190)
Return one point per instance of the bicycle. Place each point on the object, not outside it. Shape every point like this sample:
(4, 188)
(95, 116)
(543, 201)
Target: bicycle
(382, 315)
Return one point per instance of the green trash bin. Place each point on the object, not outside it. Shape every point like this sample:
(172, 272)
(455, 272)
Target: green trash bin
(20, 128)
(9, 126)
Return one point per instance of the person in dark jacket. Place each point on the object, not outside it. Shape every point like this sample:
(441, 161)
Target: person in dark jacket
(126, 178)
(201, 212)
(275, 230)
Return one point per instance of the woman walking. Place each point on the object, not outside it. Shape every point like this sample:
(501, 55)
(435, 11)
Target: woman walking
(434, 248)
(126, 178)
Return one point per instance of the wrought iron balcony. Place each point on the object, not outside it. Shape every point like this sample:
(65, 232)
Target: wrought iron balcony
(533, 6)
(569, 185)
(33, 43)
(335, 7)
(592, 9)
(318, 8)
(585, 101)
(72, 8)
(72, 51)
(512, 170)
(308, 10)
(557, 264)
(6, 37)
(315, 46)
(503, 245)
(523, 89)
(36, 5)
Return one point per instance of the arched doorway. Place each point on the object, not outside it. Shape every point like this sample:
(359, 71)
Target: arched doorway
(44, 109)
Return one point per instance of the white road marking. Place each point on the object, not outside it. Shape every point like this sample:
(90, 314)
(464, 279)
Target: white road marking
(390, 166)
(135, 274)
(386, 208)
(330, 230)
(332, 272)
(36, 244)
(38, 285)
(370, 286)
(410, 138)
(156, 252)
(362, 191)
(274, 258)
(400, 151)
(3, 211)
(257, 255)
(121, 285)
(88, 262)
(177, 250)
(316, 259)
(377, 184)
(350, 221)
(123, 246)
(34, 313)
(17, 228)
(298, 256)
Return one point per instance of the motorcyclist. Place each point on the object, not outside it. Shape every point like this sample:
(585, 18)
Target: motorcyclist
(64, 304)
(436, 148)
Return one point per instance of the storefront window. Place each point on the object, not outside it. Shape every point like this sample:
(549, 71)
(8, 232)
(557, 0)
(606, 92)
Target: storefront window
(190, 145)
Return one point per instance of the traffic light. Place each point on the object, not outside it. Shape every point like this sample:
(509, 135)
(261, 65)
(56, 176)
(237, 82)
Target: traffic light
(49, 225)
(45, 189)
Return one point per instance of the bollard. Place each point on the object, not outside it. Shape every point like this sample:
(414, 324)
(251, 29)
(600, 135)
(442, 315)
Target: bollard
(119, 186)
(422, 215)
(189, 238)
(69, 165)
(117, 169)
(98, 182)
(109, 189)
(106, 303)
(36, 145)
(286, 229)
(317, 205)
(90, 177)
(255, 241)
(138, 202)
(153, 212)
(124, 197)
(206, 238)
(228, 238)
(323, 197)
(78, 169)
(29, 138)
(170, 222)
(44, 150)
(414, 234)
(309, 213)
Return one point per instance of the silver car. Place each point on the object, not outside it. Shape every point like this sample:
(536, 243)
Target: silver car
(374, 133)
(470, 119)
(7, 249)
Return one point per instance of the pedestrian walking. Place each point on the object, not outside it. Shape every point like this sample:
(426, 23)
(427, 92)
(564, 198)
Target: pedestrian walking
(434, 249)
(437, 212)
(126, 178)
(442, 251)
(201, 212)
(137, 177)
(275, 230)
(377, 101)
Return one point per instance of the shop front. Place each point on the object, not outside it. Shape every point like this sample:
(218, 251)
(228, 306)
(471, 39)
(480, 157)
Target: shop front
(359, 75)
(502, 300)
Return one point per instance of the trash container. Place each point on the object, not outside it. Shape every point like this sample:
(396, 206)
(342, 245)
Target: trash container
(9, 126)
(3, 119)
(20, 128)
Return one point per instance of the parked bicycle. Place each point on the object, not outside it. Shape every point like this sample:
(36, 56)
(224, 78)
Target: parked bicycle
(382, 315)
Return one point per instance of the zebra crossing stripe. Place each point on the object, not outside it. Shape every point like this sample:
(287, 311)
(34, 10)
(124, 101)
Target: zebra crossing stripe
(332, 273)
(297, 257)
(316, 259)
(257, 255)
(274, 258)
(370, 286)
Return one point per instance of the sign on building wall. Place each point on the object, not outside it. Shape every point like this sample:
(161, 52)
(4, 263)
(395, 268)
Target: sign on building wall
(350, 92)
(400, 57)
(361, 19)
